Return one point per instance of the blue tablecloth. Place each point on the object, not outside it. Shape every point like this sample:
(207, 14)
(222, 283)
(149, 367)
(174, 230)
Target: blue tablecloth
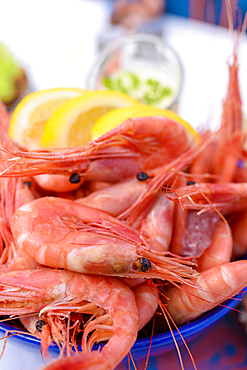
(222, 347)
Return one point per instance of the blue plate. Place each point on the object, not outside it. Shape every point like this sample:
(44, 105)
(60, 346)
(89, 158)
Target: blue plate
(161, 343)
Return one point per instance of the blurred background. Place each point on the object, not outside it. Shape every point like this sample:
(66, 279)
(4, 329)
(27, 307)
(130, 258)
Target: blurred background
(57, 41)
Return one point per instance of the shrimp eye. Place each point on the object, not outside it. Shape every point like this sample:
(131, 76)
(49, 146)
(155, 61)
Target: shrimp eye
(75, 178)
(142, 264)
(190, 183)
(39, 324)
(142, 176)
(28, 184)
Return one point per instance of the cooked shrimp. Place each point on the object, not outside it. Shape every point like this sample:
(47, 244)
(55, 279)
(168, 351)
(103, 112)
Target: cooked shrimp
(225, 197)
(12, 257)
(158, 224)
(230, 136)
(59, 183)
(159, 177)
(83, 239)
(116, 198)
(4, 121)
(214, 286)
(147, 302)
(239, 226)
(47, 290)
(193, 232)
(14, 192)
(220, 250)
(221, 156)
(136, 145)
(204, 162)
(33, 324)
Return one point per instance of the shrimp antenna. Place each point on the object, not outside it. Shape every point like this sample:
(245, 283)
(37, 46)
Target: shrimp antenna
(132, 359)
(168, 317)
(151, 338)
(229, 15)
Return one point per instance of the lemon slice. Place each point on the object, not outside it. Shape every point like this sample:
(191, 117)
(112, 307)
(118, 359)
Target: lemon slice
(70, 124)
(119, 115)
(29, 117)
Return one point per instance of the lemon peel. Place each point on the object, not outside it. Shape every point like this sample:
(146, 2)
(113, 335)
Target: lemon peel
(119, 115)
(71, 123)
(29, 117)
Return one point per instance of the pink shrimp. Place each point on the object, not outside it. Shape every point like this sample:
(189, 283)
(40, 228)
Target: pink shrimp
(14, 192)
(214, 287)
(116, 198)
(137, 144)
(158, 224)
(224, 197)
(50, 328)
(83, 239)
(238, 226)
(11, 257)
(131, 199)
(135, 214)
(59, 183)
(220, 250)
(147, 302)
(193, 232)
(48, 182)
(50, 290)
(230, 135)
(4, 121)
(221, 156)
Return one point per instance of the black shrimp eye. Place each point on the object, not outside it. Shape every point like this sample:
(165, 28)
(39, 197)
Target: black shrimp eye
(28, 184)
(142, 176)
(142, 264)
(190, 183)
(75, 178)
(39, 324)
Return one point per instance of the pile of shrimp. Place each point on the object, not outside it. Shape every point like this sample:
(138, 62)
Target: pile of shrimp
(96, 240)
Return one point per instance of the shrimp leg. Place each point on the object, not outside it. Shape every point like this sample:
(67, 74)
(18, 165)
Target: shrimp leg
(47, 290)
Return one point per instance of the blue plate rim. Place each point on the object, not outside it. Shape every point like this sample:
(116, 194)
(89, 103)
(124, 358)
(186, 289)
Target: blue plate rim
(187, 330)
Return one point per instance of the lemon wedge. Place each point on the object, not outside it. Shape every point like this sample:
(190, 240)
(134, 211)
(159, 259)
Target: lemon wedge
(71, 123)
(113, 118)
(29, 117)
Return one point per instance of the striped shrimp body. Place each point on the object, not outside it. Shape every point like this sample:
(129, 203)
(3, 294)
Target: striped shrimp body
(79, 238)
(220, 250)
(214, 286)
(137, 144)
(47, 290)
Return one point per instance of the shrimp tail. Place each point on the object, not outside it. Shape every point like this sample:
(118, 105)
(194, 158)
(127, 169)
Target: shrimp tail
(214, 286)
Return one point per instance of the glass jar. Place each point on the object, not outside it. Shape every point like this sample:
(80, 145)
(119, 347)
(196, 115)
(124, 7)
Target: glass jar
(142, 66)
